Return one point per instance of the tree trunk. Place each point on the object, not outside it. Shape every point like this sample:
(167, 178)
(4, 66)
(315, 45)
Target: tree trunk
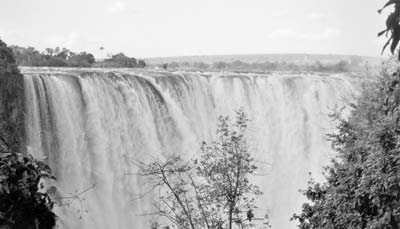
(230, 217)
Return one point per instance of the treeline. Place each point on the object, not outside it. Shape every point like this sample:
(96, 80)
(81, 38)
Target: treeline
(63, 57)
(120, 60)
(340, 66)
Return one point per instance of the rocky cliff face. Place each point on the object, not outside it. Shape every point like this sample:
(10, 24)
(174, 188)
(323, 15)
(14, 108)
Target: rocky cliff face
(11, 100)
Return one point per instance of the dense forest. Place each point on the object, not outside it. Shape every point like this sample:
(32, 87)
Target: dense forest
(354, 65)
(63, 57)
(362, 187)
(22, 205)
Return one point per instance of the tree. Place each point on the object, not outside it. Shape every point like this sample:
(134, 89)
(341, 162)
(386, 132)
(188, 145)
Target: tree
(83, 59)
(341, 66)
(226, 166)
(172, 179)
(21, 203)
(213, 190)
(54, 58)
(11, 98)
(7, 60)
(141, 64)
(64, 54)
(200, 65)
(120, 60)
(57, 50)
(392, 26)
(362, 188)
(239, 64)
(220, 65)
(50, 51)
(174, 65)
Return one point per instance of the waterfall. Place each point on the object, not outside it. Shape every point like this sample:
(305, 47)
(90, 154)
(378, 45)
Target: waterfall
(91, 124)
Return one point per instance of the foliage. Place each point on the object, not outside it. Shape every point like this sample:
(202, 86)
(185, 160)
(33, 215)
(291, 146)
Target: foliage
(21, 205)
(11, 98)
(120, 60)
(82, 59)
(141, 64)
(213, 190)
(63, 57)
(52, 57)
(172, 178)
(362, 188)
(7, 61)
(392, 26)
(226, 165)
(341, 66)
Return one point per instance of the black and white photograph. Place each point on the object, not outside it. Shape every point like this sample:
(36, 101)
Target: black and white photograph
(199, 114)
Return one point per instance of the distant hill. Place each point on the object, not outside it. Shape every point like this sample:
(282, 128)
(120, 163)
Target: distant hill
(259, 58)
(269, 62)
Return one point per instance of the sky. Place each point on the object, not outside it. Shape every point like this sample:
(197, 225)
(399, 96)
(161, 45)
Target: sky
(159, 28)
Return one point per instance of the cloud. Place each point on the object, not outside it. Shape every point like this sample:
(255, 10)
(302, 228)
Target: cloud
(117, 7)
(280, 13)
(316, 16)
(331, 33)
(287, 33)
(68, 40)
(282, 33)
(325, 34)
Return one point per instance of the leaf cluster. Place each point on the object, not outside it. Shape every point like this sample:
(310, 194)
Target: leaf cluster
(21, 203)
(392, 30)
(213, 190)
(362, 188)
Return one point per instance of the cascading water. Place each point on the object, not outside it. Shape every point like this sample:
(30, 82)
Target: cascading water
(91, 124)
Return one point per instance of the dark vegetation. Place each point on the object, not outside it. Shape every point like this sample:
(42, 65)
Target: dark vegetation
(392, 31)
(21, 203)
(355, 64)
(121, 61)
(362, 187)
(213, 190)
(62, 57)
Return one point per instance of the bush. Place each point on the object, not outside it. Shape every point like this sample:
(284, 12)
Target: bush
(362, 188)
(54, 61)
(21, 204)
(7, 60)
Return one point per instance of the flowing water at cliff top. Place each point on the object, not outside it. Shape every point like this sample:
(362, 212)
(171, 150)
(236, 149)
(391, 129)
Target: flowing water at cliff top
(90, 124)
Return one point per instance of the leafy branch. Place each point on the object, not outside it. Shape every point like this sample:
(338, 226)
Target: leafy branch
(392, 30)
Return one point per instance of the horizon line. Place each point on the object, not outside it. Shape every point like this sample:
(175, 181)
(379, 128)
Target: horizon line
(262, 54)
